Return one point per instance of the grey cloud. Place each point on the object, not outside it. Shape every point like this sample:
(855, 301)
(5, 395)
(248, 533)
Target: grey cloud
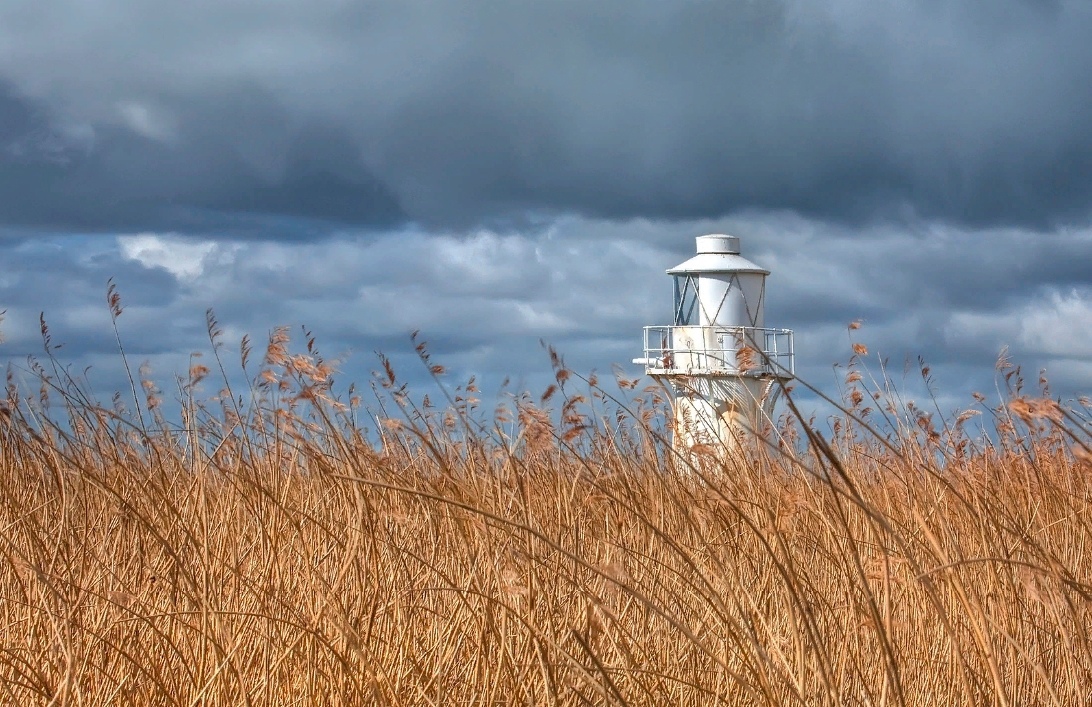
(68, 287)
(234, 165)
(824, 271)
(484, 300)
(214, 116)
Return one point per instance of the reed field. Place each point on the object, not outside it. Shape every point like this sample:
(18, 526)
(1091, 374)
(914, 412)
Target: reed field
(278, 543)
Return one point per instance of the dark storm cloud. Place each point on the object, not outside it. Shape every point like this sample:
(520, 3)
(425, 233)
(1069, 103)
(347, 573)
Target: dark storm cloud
(207, 175)
(211, 116)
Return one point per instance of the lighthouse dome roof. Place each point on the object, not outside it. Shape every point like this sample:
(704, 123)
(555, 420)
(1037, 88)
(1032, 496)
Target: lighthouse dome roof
(717, 253)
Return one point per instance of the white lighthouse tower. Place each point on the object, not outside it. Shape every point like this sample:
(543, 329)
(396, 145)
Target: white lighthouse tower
(721, 362)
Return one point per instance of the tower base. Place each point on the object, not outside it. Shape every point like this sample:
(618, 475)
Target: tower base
(722, 411)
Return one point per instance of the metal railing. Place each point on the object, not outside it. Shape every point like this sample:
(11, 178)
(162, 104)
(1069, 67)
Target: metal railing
(718, 350)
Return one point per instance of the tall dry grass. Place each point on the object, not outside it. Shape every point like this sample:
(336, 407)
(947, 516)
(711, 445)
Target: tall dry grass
(279, 545)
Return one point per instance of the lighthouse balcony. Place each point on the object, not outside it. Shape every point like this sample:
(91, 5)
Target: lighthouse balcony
(718, 351)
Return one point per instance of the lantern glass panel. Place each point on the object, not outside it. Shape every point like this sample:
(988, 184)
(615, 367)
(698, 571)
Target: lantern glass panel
(686, 300)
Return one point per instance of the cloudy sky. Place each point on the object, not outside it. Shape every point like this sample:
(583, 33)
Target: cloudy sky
(498, 173)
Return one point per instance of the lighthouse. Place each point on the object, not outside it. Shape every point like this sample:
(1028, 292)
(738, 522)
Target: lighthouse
(724, 367)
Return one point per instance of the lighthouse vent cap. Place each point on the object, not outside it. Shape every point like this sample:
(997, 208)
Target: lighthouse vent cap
(717, 253)
(718, 243)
